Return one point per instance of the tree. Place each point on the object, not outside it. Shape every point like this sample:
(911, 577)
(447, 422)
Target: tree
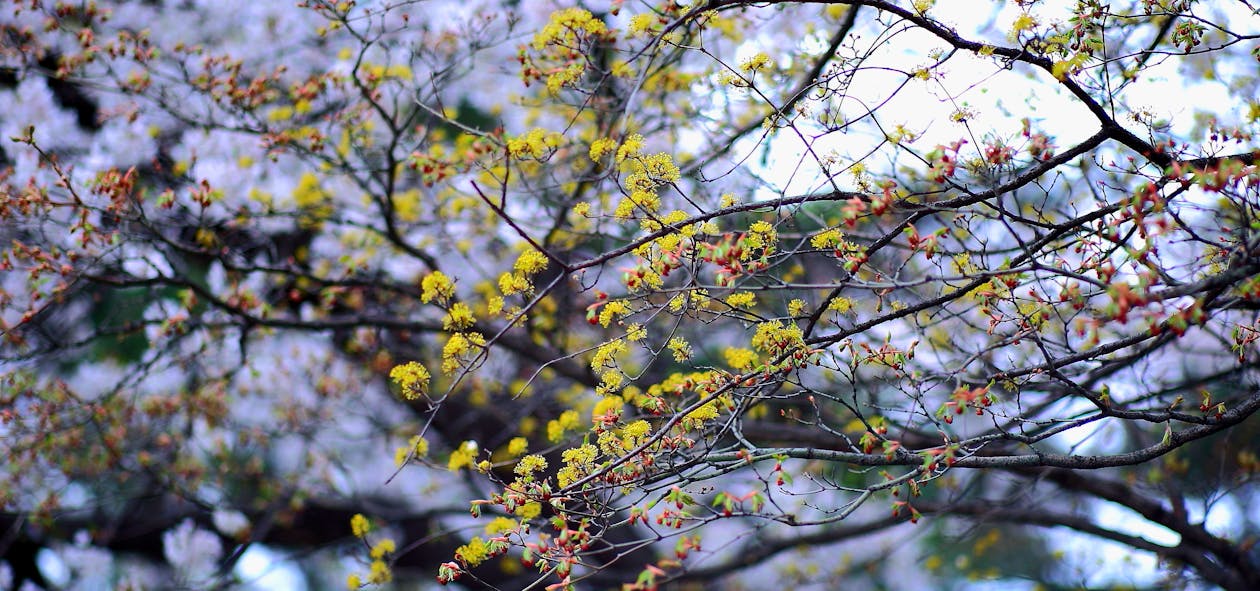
(666, 292)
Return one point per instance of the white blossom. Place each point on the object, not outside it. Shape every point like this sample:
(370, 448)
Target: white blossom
(194, 552)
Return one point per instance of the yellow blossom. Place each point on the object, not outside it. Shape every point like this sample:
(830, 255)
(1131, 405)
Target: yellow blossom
(457, 349)
(420, 444)
(473, 553)
(536, 143)
(642, 23)
(840, 305)
(417, 446)
(774, 338)
(530, 464)
(563, 26)
(436, 286)
(412, 378)
(631, 146)
(610, 381)
(615, 308)
(680, 347)
(610, 405)
(530, 262)
(308, 192)
(383, 547)
(359, 525)
(379, 573)
(606, 354)
(577, 463)
(743, 299)
(706, 412)
(1022, 23)
(500, 525)
(463, 456)
(636, 430)
(754, 63)
(602, 146)
(517, 446)
(459, 317)
(514, 283)
(529, 510)
(740, 359)
(278, 114)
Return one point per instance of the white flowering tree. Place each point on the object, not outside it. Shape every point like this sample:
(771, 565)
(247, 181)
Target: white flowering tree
(702, 293)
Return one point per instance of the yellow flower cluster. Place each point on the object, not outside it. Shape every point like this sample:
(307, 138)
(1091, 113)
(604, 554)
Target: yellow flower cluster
(773, 337)
(500, 525)
(359, 525)
(706, 412)
(648, 172)
(632, 145)
(614, 443)
(528, 264)
(761, 235)
(602, 146)
(517, 446)
(754, 63)
(380, 573)
(739, 358)
(535, 143)
(308, 193)
(644, 200)
(743, 299)
(1023, 22)
(457, 349)
(827, 238)
(677, 383)
(646, 175)
(567, 34)
(609, 405)
(577, 463)
(668, 242)
(512, 283)
(412, 378)
(606, 354)
(380, 72)
(611, 310)
(417, 445)
(473, 553)
(463, 456)
(568, 420)
(529, 510)
(530, 464)
(610, 382)
(383, 547)
(436, 286)
(459, 317)
(643, 23)
(565, 25)
(840, 305)
(680, 348)
(636, 431)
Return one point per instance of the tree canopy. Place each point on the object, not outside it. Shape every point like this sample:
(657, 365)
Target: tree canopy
(637, 295)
